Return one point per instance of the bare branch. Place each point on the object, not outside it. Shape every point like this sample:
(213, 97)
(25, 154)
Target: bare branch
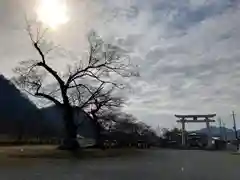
(103, 59)
(92, 95)
(52, 72)
(35, 44)
(39, 39)
(48, 97)
(29, 29)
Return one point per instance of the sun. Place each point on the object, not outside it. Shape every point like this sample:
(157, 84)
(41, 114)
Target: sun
(52, 13)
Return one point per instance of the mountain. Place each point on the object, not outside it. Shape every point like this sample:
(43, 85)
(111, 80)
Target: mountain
(18, 115)
(216, 131)
(13, 104)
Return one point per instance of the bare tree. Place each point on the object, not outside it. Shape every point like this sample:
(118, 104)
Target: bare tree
(104, 102)
(83, 82)
(100, 108)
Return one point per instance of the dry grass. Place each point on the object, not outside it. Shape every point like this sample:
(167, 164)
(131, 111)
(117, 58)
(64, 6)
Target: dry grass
(24, 154)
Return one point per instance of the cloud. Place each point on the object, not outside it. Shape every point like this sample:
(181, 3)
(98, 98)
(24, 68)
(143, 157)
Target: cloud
(187, 51)
(188, 56)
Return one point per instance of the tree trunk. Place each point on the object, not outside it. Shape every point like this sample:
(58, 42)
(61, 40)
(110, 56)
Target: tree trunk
(98, 129)
(98, 135)
(70, 141)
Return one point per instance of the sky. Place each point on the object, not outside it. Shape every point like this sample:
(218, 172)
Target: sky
(187, 51)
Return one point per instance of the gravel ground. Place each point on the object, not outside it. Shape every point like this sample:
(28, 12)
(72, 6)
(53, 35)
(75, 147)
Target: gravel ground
(150, 164)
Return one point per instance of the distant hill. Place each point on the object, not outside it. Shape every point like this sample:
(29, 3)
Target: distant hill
(13, 104)
(18, 115)
(217, 132)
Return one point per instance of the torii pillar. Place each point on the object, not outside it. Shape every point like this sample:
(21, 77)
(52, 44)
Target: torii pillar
(183, 131)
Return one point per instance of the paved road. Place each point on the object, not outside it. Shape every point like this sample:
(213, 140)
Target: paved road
(152, 164)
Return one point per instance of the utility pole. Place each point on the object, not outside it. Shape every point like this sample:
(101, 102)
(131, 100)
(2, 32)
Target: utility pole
(234, 125)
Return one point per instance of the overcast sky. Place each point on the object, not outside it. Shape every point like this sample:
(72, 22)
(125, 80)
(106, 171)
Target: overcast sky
(188, 51)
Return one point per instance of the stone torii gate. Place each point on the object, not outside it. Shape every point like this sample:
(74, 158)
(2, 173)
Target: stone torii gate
(196, 119)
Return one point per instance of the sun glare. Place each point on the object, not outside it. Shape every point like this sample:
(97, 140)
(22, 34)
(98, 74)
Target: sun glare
(52, 13)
